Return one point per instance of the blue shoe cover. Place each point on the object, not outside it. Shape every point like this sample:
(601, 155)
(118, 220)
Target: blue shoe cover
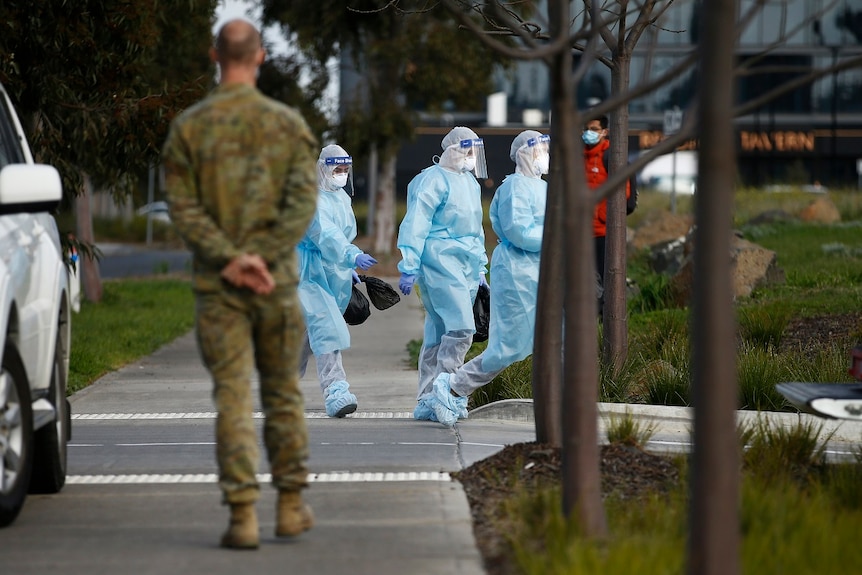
(338, 400)
(446, 406)
(423, 411)
(460, 402)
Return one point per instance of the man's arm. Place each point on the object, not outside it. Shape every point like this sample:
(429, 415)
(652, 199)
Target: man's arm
(631, 186)
(249, 271)
(424, 196)
(632, 195)
(195, 226)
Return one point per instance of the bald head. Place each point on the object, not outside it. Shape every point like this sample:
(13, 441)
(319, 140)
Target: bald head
(237, 42)
(238, 52)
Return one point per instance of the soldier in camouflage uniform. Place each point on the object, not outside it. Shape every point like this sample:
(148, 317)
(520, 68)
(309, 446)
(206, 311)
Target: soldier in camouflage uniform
(241, 182)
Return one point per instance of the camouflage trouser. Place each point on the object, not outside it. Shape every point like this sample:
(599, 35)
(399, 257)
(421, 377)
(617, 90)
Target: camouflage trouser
(238, 331)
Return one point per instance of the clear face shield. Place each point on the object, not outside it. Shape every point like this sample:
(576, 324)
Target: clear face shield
(540, 147)
(474, 150)
(338, 171)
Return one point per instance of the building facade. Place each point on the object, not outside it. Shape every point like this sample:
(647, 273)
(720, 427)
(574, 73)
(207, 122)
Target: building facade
(810, 134)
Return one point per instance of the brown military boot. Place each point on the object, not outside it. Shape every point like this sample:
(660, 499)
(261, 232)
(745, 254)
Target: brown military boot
(242, 533)
(294, 516)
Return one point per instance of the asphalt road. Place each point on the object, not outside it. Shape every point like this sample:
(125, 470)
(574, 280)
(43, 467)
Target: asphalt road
(129, 260)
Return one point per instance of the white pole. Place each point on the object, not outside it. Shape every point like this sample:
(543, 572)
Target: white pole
(673, 185)
(151, 186)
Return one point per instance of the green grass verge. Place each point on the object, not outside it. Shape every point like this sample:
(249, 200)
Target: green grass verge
(134, 318)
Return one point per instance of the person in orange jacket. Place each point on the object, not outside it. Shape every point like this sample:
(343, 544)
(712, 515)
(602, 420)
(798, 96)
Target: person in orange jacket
(596, 152)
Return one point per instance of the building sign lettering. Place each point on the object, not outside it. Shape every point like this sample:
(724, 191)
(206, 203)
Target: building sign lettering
(749, 141)
(648, 139)
(779, 141)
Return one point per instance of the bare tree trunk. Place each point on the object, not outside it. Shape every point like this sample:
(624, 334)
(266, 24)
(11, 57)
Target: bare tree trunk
(90, 277)
(548, 338)
(547, 376)
(615, 316)
(581, 476)
(713, 547)
(384, 208)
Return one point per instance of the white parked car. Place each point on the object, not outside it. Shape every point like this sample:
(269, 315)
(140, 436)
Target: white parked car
(35, 328)
(668, 174)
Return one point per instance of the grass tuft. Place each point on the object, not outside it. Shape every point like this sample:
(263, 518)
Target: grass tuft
(622, 428)
(764, 326)
(775, 452)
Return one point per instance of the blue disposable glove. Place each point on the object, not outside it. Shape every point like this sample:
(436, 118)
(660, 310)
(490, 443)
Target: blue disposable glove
(356, 279)
(405, 284)
(482, 280)
(364, 261)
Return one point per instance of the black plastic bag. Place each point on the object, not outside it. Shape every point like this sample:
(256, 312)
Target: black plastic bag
(482, 313)
(358, 309)
(382, 295)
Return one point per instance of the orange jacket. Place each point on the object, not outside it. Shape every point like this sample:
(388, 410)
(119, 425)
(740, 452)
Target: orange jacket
(596, 176)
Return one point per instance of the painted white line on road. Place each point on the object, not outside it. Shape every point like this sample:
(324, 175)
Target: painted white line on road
(426, 443)
(212, 415)
(128, 416)
(322, 443)
(164, 444)
(195, 478)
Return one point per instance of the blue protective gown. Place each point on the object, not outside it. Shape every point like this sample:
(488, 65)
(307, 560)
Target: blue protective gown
(442, 242)
(518, 217)
(326, 260)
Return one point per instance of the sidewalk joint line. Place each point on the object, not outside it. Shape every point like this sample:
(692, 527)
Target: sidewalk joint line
(201, 478)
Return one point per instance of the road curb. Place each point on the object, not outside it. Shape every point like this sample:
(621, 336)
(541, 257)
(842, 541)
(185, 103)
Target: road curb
(672, 419)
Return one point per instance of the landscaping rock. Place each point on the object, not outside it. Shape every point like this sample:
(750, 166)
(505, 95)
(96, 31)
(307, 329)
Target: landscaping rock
(821, 210)
(752, 266)
(667, 257)
(659, 228)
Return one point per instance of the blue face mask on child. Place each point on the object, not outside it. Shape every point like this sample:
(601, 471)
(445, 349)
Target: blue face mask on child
(590, 138)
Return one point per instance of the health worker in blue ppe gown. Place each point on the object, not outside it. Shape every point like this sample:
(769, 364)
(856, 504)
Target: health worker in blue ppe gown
(327, 262)
(442, 246)
(517, 216)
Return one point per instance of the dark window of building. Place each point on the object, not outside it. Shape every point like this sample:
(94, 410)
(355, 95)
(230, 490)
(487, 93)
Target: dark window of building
(771, 71)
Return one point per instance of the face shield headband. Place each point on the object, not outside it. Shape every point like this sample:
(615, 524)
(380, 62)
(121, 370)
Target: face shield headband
(543, 141)
(332, 164)
(339, 161)
(477, 147)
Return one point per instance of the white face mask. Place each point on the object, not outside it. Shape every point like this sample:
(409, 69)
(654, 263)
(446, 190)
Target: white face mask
(339, 180)
(469, 164)
(542, 163)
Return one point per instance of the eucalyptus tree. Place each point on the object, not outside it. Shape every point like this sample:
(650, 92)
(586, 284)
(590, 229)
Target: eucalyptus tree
(287, 78)
(97, 83)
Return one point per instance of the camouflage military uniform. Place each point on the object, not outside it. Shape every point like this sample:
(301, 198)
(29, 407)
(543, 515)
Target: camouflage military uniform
(240, 178)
